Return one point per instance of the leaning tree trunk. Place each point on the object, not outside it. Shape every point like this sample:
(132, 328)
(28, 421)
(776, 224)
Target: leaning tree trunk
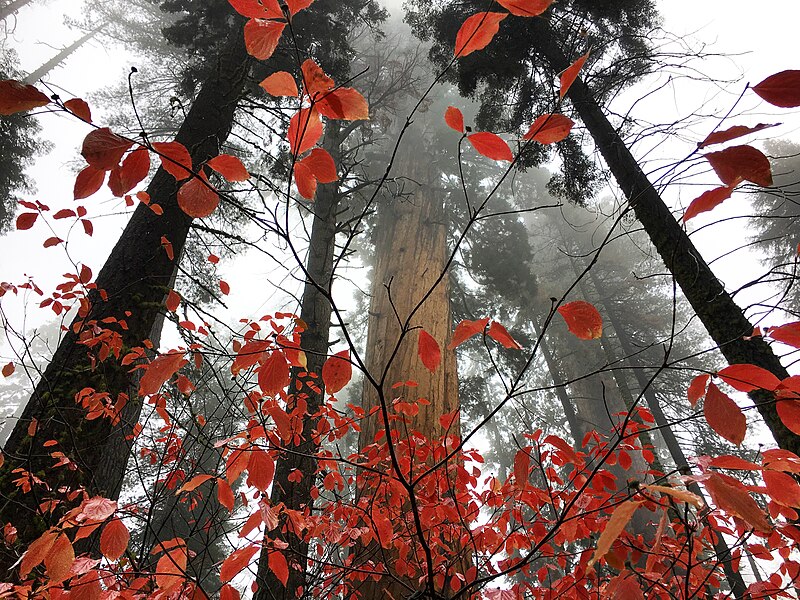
(411, 255)
(722, 317)
(12, 7)
(61, 56)
(315, 311)
(134, 279)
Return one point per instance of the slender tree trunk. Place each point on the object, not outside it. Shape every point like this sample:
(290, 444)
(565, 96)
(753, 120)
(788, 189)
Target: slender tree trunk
(316, 312)
(411, 253)
(135, 279)
(722, 317)
(61, 56)
(12, 7)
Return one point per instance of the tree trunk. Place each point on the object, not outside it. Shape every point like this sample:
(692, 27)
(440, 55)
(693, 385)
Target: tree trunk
(61, 56)
(12, 7)
(316, 312)
(722, 317)
(135, 278)
(411, 254)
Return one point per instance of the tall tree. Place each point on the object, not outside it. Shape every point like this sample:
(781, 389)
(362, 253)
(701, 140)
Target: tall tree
(545, 43)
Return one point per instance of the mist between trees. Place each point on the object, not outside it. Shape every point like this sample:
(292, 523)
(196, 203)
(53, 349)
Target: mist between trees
(395, 312)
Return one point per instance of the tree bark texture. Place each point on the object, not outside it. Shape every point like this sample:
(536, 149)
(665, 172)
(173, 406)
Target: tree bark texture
(135, 279)
(722, 317)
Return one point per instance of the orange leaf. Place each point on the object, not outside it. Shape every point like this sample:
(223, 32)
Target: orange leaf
(58, 561)
(499, 334)
(727, 461)
(707, 201)
(197, 198)
(8, 369)
(582, 319)
(747, 378)
(175, 159)
(736, 501)
(103, 149)
(465, 330)
(304, 180)
(454, 119)
(315, 80)
(337, 371)
(261, 37)
(549, 129)
(786, 334)
(344, 103)
(194, 483)
(225, 494)
(260, 469)
(273, 375)
(616, 525)
(277, 564)
(782, 487)
(88, 181)
(321, 165)
(171, 569)
(36, 552)
(114, 539)
(230, 167)
(477, 31)
(490, 145)
(17, 97)
(159, 371)
(305, 129)
(525, 8)
(26, 221)
(781, 89)
(741, 163)
(678, 494)
(134, 169)
(429, 351)
(79, 108)
(280, 84)
(257, 9)
(570, 74)
(236, 562)
(737, 131)
(724, 416)
(697, 389)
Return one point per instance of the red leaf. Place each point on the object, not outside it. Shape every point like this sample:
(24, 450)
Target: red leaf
(337, 371)
(173, 301)
(465, 330)
(159, 371)
(747, 378)
(59, 560)
(782, 487)
(64, 213)
(260, 469)
(697, 389)
(321, 164)
(429, 351)
(197, 197)
(225, 494)
(98, 509)
(477, 31)
(454, 119)
(194, 483)
(26, 220)
(134, 169)
(236, 562)
(616, 525)
(499, 334)
(522, 466)
(257, 9)
(228, 592)
(741, 163)
(490, 145)
(103, 149)
(175, 159)
(261, 37)
(36, 552)
(344, 103)
(88, 228)
(273, 375)
(296, 6)
(781, 89)
(786, 334)
(315, 80)
(570, 74)
(224, 287)
(171, 569)
(305, 129)
(737, 131)
(707, 201)
(79, 108)
(85, 275)
(728, 461)
(230, 167)
(17, 97)
(305, 181)
(277, 564)
(447, 419)
(549, 129)
(582, 319)
(88, 182)
(114, 539)
(8, 369)
(280, 84)
(789, 413)
(525, 8)
(724, 416)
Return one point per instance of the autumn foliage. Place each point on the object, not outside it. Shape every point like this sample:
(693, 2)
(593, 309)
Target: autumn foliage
(556, 525)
